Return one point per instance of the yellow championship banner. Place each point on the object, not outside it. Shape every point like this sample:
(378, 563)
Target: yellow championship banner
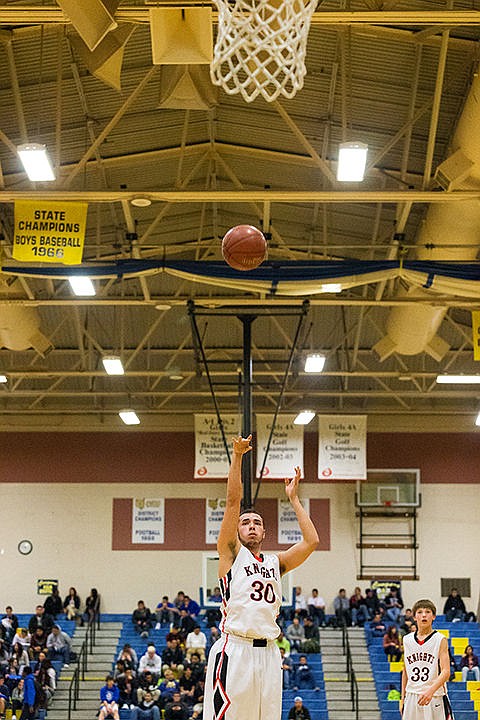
(49, 231)
(476, 334)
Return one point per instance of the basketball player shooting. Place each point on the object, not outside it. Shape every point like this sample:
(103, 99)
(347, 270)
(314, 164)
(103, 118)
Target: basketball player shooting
(244, 677)
(426, 669)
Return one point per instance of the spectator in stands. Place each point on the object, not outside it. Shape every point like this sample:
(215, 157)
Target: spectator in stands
(377, 625)
(198, 699)
(283, 642)
(119, 670)
(142, 619)
(300, 607)
(147, 683)
(311, 629)
(9, 625)
(196, 642)
(109, 697)
(151, 661)
(179, 600)
(454, 608)
(40, 619)
(173, 657)
(53, 604)
(304, 678)
(295, 635)
(29, 695)
(198, 667)
(392, 644)
(147, 709)
(59, 645)
(175, 709)
(214, 636)
(371, 602)
(19, 657)
(168, 686)
(316, 607)
(407, 621)
(187, 687)
(393, 604)
(91, 605)
(165, 612)
(46, 676)
(38, 643)
(213, 615)
(17, 698)
(288, 671)
(299, 711)
(192, 607)
(341, 605)
(358, 609)
(22, 637)
(469, 663)
(186, 623)
(71, 605)
(4, 696)
(4, 656)
(127, 687)
(129, 656)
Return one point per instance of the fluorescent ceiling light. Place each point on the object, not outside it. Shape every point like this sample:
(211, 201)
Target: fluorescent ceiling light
(36, 162)
(477, 421)
(129, 417)
(314, 363)
(113, 365)
(331, 288)
(81, 285)
(458, 379)
(304, 417)
(3, 379)
(352, 158)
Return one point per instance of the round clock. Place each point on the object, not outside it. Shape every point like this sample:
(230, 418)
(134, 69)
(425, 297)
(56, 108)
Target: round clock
(25, 547)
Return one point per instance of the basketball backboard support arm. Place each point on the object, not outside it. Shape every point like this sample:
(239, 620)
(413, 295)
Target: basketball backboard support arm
(246, 316)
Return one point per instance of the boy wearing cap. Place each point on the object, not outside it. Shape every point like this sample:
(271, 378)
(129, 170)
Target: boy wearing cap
(299, 711)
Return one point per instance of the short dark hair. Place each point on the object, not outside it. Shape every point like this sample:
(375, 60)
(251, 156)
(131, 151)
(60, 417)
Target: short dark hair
(247, 510)
(424, 604)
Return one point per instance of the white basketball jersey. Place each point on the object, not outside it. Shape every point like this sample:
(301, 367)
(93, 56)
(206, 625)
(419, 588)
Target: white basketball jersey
(252, 595)
(422, 662)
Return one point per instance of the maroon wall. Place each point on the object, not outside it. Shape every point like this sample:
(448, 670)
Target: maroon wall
(131, 457)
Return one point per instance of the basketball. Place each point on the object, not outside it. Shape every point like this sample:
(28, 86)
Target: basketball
(244, 247)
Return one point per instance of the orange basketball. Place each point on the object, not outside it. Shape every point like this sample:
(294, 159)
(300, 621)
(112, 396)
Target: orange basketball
(244, 247)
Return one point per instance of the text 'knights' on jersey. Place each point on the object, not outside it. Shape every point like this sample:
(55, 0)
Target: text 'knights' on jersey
(252, 595)
(422, 663)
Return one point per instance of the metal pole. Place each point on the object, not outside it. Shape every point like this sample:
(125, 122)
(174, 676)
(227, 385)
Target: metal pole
(247, 467)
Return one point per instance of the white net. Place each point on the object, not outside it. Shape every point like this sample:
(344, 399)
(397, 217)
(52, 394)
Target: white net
(261, 47)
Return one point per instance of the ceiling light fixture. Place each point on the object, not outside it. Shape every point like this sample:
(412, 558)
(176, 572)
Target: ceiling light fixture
(458, 379)
(113, 365)
(304, 417)
(477, 421)
(140, 201)
(81, 285)
(331, 288)
(352, 159)
(129, 416)
(3, 379)
(314, 363)
(36, 162)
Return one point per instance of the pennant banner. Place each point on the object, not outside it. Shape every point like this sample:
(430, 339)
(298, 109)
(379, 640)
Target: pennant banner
(286, 447)
(148, 520)
(214, 509)
(342, 445)
(49, 231)
(211, 460)
(288, 530)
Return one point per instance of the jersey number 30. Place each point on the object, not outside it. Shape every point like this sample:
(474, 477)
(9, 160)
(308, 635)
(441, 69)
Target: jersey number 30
(420, 674)
(262, 592)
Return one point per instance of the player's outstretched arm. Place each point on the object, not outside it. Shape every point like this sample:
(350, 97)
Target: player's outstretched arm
(228, 542)
(298, 553)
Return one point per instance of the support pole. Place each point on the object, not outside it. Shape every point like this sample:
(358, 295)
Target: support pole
(247, 467)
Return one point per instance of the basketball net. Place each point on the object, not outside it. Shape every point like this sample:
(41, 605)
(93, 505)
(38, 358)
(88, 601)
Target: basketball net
(261, 47)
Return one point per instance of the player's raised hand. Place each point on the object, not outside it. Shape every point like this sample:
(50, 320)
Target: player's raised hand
(242, 445)
(291, 484)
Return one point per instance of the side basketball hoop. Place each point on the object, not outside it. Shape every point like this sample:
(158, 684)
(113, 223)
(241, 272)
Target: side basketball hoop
(261, 47)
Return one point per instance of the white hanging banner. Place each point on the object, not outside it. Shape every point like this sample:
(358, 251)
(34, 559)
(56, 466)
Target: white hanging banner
(211, 459)
(288, 529)
(148, 520)
(214, 509)
(342, 447)
(286, 447)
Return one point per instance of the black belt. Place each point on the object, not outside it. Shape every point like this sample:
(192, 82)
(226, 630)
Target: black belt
(259, 642)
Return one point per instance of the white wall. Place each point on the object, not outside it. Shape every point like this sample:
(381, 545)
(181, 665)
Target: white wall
(70, 527)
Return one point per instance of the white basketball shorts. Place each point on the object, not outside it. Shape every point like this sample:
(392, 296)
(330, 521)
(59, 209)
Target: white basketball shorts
(438, 708)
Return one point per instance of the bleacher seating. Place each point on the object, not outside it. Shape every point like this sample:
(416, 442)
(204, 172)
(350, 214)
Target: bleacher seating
(464, 697)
